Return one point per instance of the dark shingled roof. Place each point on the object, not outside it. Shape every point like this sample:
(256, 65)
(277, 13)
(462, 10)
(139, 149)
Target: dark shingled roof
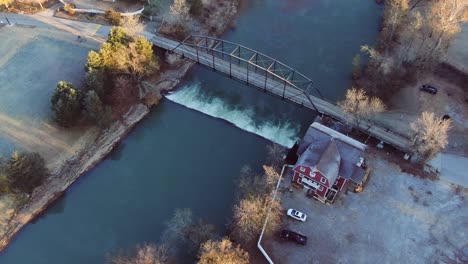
(333, 153)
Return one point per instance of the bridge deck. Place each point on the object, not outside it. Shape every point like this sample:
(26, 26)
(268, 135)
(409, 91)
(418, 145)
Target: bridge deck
(275, 87)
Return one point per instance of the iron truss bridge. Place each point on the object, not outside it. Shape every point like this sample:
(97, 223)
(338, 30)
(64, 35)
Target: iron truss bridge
(266, 74)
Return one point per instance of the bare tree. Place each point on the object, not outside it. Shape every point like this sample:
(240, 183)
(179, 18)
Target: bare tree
(445, 18)
(250, 215)
(409, 34)
(271, 177)
(177, 226)
(360, 106)
(180, 12)
(198, 233)
(275, 155)
(132, 25)
(222, 252)
(416, 3)
(146, 254)
(251, 185)
(383, 64)
(394, 14)
(430, 134)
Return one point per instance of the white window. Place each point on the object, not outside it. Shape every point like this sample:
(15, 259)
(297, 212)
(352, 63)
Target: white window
(302, 169)
(311, 174)
(320, 188)
(323, 180)
(309, 184)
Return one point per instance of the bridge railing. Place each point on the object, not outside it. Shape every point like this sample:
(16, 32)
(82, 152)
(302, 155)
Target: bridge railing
(222, 55)
(251, 60)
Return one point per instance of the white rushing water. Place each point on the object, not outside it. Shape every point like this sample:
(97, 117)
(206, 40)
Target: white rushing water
(282, 133)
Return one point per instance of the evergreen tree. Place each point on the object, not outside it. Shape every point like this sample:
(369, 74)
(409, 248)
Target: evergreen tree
(66, 104)
(95, 110)
(26, 171)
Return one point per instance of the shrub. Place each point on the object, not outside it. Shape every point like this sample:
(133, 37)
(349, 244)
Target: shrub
(25, 171)
(113, 16)
(66, 104)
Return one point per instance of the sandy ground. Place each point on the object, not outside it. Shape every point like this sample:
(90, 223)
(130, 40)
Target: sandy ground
(398, 218)
(34, 61)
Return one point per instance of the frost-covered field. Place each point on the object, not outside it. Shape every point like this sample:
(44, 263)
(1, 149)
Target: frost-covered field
(398, 218)
(35, 60)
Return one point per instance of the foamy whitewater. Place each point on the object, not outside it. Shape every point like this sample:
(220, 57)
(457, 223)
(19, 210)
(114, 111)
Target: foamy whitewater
(282, 133)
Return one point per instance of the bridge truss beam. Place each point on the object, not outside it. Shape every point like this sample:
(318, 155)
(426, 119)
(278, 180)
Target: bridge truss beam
(252, 60)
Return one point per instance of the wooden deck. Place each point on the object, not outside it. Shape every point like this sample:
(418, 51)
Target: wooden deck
(275, 87)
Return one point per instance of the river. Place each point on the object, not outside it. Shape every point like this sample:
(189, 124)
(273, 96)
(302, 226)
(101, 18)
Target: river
(188, 152)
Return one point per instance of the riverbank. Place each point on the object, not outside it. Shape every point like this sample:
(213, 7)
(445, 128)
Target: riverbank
(99, 148)
(408, 57)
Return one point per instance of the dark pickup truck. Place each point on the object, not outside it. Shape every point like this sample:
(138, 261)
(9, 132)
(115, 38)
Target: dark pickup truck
(293, 236)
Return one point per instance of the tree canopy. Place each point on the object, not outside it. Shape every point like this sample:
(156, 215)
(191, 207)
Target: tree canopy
(124, 54)
(222, 252)
(25, 171)
(146, 254)
(360, 106)
(95, 110)
(430, 134)
(66, 105)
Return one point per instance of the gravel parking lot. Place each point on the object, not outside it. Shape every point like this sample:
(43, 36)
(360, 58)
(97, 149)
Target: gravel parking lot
(398, 218)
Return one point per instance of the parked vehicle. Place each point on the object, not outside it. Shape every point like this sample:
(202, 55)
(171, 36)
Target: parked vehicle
(293, 236)
(428, 88)
(293, 213)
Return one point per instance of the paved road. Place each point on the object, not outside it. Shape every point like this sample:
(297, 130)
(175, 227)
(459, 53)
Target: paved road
(47, 20)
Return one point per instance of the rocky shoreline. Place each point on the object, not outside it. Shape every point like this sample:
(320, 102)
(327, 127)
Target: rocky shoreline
(45, 195)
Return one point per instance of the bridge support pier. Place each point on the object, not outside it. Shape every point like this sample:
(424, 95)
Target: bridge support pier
(247, 81)
(230, 66)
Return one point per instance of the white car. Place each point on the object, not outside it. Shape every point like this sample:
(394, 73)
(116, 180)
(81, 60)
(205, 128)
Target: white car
(297, 215)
